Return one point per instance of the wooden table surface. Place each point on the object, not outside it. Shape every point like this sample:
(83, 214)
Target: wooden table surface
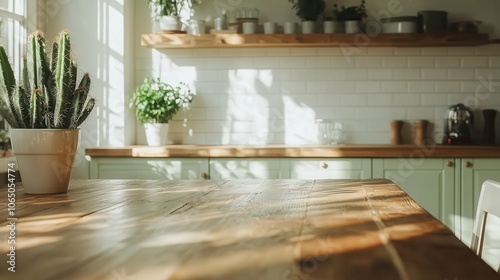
(239, 229)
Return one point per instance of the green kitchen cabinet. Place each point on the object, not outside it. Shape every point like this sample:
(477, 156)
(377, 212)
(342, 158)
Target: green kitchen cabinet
(149, 168)
(330, 168)
(431, 182)
(248, 168)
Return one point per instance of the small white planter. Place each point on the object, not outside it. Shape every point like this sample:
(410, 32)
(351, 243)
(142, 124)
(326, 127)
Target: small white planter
(330, 27)
(45, 158)
(308, 27)
(156, 133)
(352, 26)
(169, 23)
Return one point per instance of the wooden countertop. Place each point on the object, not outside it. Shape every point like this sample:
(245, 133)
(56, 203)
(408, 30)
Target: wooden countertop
(370, 151)
(241, 229)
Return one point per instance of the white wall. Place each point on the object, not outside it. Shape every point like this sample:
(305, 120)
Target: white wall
(103, 47)
(274, 95)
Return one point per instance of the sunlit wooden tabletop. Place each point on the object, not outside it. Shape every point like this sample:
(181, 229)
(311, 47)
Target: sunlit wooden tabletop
(241, 229)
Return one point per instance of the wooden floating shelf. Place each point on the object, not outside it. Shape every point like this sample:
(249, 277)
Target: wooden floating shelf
(311, 40)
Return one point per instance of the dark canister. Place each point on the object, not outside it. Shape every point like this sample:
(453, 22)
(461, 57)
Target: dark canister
(432, 21)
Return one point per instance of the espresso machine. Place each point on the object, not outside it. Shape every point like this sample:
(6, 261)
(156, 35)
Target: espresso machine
(458, 125)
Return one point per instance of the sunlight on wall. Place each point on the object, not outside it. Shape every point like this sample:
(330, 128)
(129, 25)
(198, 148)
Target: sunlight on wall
(111, 72)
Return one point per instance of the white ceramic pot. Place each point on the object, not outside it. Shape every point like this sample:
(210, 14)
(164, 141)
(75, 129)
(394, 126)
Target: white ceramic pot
(169, 23)
(308, 27)
(330, 27)
(156, 133)
(45, 158)
(352, 26)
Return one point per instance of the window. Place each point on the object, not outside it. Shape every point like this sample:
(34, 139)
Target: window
(13, 18)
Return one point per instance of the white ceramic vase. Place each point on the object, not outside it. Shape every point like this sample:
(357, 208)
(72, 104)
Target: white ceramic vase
(169, 23)
(45, 158)
(308, 27)
(330, 27)
(156, 133)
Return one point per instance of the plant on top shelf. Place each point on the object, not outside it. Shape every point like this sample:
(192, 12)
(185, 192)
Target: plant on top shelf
(350, 13)
(157, 102)
(168, 12)
(48, 96)
(308, 10)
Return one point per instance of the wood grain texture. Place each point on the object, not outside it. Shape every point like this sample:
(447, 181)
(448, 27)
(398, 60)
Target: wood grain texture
(372, 151)
(238, 229)
(311, 40)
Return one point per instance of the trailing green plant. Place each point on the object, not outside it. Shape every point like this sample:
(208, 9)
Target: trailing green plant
(308, 10)
(48, 96)
(161, 8)
(350, 13)
(157, 102)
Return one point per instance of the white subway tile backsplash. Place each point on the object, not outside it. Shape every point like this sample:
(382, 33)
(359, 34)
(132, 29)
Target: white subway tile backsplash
(395, 87)
(434, 99)
(355, 74)
(368, 61)
(270, 95)
(342, 62)
(407, 51)
(353, 99)
(451, 87)
(318, 62)
(293, 62)
(406, 99)
(379, 99)
(447, 61)
(380, 74)
(368, 87)
(394, 62)
(460, 74)
(420, 86)
(462, 51)
(434, 51)
(474, 61)
(434, 74)
(406, 74)
(420, 61)
(303, 52)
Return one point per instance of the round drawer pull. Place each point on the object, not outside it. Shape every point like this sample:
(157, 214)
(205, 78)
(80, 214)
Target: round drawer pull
(324, 165)
(468, 164)
(449, 164)
(204, 175)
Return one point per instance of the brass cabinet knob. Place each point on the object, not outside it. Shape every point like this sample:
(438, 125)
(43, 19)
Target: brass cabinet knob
(204, 175)
(468, 164)
(449, 163)
(324, 165)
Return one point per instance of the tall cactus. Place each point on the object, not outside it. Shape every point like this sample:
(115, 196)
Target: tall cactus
(48, 96)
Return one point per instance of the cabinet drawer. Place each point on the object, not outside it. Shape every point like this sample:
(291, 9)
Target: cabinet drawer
(327, 168)
(230, 168)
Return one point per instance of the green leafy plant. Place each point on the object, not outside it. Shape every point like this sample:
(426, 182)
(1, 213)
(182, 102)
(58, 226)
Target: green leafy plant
(48, 96)
(308, 10)
(350, 13)
(157, 102)
(161, 8)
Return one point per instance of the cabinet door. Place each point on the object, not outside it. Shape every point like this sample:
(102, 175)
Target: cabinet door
(474, 172)
(149, 168)
(328, 168)
(258, 168)
(430, 182)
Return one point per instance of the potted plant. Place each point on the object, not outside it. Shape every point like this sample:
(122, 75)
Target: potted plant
(168, 12)
(331, 23)
(308, 11)
(352, 17)
(44, 111)
(156, 103)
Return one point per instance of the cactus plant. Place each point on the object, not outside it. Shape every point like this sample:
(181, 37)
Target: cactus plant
(48, 96)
